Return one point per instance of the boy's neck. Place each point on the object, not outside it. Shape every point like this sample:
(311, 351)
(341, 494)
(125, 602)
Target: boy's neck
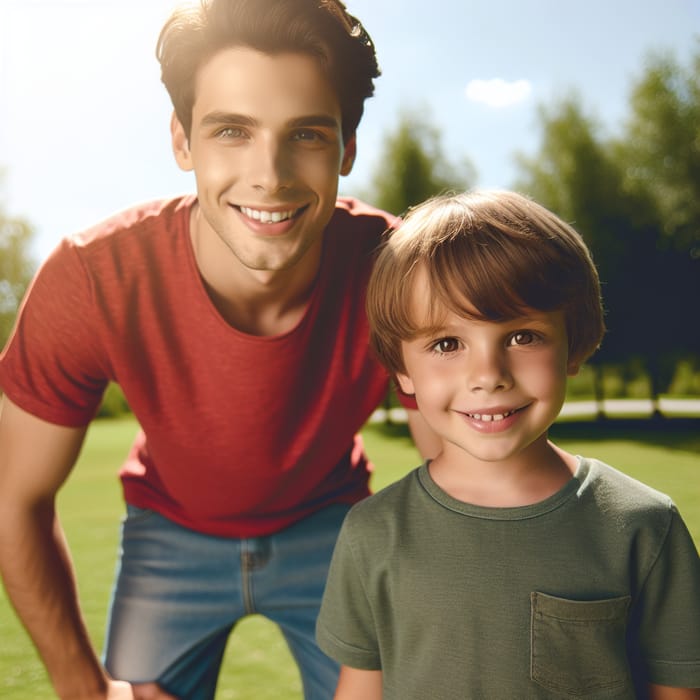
(533, 476)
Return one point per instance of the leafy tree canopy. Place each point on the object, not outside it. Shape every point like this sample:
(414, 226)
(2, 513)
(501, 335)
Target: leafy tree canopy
(16, 267)
(413, 166)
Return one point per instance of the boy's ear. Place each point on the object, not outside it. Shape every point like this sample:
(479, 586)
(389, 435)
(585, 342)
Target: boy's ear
(349, 155)
(181, 144)
(405, 384)
(573, 366)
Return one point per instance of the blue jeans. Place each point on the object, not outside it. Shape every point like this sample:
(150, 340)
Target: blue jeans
(179, 593)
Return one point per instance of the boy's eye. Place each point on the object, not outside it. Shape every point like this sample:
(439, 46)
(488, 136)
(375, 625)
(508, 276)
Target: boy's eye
(445, 345)
(522, 338)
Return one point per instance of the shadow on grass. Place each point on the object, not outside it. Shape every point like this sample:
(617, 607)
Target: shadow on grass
(673, 433)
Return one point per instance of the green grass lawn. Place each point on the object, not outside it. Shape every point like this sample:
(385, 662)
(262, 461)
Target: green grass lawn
(258, 665)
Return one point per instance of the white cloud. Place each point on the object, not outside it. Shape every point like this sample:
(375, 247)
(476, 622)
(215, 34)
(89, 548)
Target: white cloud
(497, 92)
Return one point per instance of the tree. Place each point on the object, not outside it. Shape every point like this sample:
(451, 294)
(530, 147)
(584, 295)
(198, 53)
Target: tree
(574, 175)
(661, 148)
(413, 167)
(661, 154)
(16, 268)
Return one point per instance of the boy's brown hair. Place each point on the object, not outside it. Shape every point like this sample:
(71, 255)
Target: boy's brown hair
(496, 251)
(321, 28)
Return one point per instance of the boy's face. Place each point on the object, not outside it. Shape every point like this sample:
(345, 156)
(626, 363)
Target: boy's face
(267, 150)
(489, 390)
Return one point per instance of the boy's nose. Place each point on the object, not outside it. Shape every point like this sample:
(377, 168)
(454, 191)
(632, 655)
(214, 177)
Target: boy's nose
(487, 371)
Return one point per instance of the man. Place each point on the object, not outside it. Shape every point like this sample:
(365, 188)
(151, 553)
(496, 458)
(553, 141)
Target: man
(234, 323)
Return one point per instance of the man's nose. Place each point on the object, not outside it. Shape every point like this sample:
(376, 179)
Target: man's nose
(270, 166)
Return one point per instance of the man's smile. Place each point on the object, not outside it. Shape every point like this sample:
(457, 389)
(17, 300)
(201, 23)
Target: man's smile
(266, 216)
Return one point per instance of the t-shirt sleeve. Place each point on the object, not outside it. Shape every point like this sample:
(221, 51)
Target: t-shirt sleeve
(670, 611)
(51, 366)
(346, 629)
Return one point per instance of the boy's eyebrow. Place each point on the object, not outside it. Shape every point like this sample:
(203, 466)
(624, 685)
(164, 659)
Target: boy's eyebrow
(428, 330)
(533, 317)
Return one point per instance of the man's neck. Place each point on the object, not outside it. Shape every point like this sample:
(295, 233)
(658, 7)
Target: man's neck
(257, 302)
(263, 312)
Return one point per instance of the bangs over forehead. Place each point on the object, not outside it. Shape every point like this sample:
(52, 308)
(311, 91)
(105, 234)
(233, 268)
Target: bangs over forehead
(498, 264)
(486, 255)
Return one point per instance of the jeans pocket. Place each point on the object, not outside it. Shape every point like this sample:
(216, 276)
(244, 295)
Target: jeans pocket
(135, 515)
(578, 648)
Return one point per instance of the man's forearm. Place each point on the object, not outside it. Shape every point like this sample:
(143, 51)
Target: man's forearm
(38, 576)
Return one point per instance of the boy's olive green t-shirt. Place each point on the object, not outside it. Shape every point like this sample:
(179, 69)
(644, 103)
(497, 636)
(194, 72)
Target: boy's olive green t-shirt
(588, 594)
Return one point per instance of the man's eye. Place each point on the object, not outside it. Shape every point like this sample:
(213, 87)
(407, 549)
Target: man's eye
(230, 132)
(446, 345)
(522, 338)
(306, 135)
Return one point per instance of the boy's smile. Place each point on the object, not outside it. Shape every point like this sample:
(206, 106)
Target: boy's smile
(493, 420)
(266, 147)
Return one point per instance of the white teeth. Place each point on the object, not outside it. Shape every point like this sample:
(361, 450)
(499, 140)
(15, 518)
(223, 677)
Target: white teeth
(489, 417)
(268, 217)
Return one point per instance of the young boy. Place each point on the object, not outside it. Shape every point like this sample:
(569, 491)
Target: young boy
(505, 567)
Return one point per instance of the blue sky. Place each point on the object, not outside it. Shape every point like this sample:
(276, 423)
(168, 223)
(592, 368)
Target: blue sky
(84, 118)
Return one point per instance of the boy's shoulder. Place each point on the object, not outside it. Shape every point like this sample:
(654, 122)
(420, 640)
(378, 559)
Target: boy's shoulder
(612, 494)
(621, 498)
(384, 505)
(604, 496)
(620, 487)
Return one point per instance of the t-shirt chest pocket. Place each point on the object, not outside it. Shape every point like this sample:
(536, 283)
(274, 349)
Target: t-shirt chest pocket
(578, 648)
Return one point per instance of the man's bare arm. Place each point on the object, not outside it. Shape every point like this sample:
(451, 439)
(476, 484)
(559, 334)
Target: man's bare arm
(35, 459)
(426, 441)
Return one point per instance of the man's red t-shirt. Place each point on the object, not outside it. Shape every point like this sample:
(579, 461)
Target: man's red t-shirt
(241, 435)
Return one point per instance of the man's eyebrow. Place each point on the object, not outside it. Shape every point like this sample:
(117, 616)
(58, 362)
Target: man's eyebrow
(315, 120)
(217, 118)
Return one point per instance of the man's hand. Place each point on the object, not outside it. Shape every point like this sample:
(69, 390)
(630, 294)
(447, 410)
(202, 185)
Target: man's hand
(119, 690)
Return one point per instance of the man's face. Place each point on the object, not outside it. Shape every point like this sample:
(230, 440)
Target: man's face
(266, 148)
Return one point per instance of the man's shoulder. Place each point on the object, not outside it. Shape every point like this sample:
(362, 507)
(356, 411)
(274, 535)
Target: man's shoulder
(134, 223)
(353, 214)
(354, 232)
